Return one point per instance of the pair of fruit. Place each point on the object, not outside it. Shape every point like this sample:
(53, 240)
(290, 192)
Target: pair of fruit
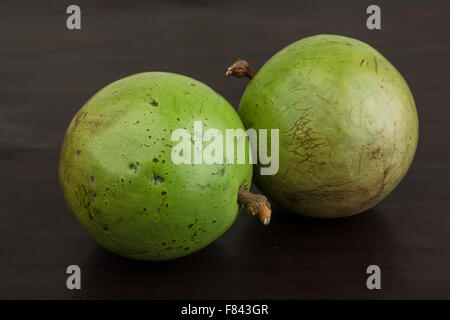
(348, 132)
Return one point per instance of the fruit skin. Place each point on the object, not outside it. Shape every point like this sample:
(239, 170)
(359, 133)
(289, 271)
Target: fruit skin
(119, 181)
(348, 125)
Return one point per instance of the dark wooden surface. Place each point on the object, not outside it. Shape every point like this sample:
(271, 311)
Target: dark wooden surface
(48, 72)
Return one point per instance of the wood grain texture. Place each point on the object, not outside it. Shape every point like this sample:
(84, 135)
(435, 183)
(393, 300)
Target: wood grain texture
(48, 72)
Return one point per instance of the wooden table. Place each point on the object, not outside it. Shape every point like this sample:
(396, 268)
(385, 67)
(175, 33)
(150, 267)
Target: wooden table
(48, 72)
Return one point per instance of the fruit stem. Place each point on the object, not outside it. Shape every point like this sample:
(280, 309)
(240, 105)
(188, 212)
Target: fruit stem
(257, 205)
(240, 69)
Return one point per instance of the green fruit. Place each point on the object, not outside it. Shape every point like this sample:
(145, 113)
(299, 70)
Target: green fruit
(347, 122)
(118, 178)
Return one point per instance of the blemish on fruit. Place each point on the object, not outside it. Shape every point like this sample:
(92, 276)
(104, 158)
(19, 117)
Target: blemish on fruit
(157, 180)
(154, 103)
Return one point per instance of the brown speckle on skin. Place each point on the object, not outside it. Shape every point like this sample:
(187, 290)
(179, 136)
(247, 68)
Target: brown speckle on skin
(155, 160)
(154, 103)
(163, 192)
(76, 121)
(92, 179)
(191, 225)
(157, 180)
(375, 153)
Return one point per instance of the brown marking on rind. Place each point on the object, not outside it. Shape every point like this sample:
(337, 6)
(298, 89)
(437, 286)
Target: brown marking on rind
(296, 89)
(90, 214)
(94, 124)
(361, 63)
(322, 98)
(326, 192)
(77, 120)
(374, 199)
(374, 154)
(376, 64)
(335, 185)
(322, 194)
(287, 170)
(87, 200)
(304, 138)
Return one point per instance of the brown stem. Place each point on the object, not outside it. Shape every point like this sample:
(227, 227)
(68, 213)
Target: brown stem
(240, 69)
(257, 205)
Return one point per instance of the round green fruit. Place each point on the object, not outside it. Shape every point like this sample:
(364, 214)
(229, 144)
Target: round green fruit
(347, 123)
(120, 182)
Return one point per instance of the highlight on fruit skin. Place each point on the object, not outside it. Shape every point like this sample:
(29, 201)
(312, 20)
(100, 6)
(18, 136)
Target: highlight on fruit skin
(120, 183)
(347, 119)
